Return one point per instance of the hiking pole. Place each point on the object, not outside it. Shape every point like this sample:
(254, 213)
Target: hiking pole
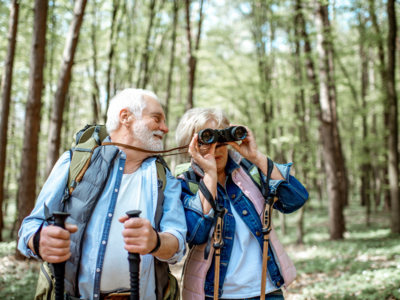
(218, 243)
(134, 263)
(59, 268)
(266, 222)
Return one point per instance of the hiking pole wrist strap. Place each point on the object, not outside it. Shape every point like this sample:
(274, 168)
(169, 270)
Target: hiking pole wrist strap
(270, 200)
(216, 230)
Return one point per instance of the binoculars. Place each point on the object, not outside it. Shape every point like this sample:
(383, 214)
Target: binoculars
(231, 134)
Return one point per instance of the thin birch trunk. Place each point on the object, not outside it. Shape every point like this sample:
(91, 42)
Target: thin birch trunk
(27, 183)
(54, 140)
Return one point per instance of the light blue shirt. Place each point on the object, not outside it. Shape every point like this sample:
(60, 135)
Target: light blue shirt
(96, 235)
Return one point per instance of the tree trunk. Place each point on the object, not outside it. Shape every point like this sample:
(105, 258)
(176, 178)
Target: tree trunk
(366, 162)
(6, 84)
(54, 139)
(328, 49)
(110, 56)
(171, 62)
(393, 126)
(145, 56)
(27, 190)
(328, 127)
(131, 46)
(95, 89)
(300, 111)
(383, 74)
(192, 53)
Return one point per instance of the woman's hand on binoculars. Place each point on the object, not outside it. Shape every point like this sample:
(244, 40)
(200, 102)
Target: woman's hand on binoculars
(248, 148)
(204, 159)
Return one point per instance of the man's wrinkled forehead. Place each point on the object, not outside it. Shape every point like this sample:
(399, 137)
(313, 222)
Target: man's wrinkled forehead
(153, 107)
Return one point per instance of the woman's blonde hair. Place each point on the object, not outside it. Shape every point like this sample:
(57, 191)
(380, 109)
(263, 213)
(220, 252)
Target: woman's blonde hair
(194, 120)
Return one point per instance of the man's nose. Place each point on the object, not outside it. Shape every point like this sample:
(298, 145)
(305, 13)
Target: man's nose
(164, 127)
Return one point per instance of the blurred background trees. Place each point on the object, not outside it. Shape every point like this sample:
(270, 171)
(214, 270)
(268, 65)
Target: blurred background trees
(316, 81)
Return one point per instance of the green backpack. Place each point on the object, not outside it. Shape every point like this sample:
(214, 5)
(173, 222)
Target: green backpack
(85, 141)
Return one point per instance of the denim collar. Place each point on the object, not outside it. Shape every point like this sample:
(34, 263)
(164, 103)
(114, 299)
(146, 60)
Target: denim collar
(231, 164)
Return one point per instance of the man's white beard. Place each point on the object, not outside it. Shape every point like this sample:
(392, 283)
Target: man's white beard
(147, 138)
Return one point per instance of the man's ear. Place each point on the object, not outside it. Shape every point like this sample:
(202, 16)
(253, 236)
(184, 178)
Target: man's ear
(125, 117)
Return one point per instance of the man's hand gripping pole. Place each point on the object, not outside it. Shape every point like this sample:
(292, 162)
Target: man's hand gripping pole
(59, 268)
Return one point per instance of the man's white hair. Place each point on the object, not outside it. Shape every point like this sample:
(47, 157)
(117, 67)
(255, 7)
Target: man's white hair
(131, 99)
(194, 120)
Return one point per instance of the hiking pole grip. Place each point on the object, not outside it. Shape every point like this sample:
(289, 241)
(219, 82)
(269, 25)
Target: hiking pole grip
(134, 263)
(59, 268)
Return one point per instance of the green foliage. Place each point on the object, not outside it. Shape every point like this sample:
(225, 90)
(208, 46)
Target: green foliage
(365, 265)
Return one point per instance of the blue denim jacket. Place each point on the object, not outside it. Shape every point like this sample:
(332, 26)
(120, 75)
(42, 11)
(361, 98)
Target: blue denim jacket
(291, 194)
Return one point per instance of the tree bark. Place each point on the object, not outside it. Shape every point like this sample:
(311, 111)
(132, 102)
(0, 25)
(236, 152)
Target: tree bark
(6, 84)
(332, 96)
(300, 111)
(145, 56)
(54, 139)
(110, 56)
(383, 75)
(27, 190)
(366, 162)
(328, 128)
(192, 53)
(393, 126)
(95, 89)
(171, 61)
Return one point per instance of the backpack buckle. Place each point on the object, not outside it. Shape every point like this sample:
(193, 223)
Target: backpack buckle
(65, 196)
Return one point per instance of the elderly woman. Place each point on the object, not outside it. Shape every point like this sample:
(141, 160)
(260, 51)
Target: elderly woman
(223, 173)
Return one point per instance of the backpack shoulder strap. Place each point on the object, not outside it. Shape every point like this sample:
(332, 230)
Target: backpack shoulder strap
(162, 168)
(192, 179)
(255, 174)
(252, 171)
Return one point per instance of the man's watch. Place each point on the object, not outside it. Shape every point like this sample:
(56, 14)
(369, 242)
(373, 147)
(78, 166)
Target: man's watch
(158, 243)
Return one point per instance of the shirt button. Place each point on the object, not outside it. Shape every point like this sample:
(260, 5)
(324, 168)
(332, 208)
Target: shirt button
(98, 270)
(233, 196)
(116, 190)
(104, 242)
(258, 233)
(95, 295)
(122, 155)
(278, 283)
(110, 215)
(120, 168)
(244, 213)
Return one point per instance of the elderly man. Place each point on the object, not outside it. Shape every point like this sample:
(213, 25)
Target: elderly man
(135, 118)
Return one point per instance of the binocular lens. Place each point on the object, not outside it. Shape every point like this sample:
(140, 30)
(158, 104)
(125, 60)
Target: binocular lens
(207, 136)
(239, 133)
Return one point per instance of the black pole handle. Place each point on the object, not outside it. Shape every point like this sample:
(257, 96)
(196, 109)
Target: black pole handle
(59, 268)
(134, 263)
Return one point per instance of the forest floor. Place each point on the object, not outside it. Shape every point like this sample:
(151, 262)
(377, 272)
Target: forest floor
(365, 265)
